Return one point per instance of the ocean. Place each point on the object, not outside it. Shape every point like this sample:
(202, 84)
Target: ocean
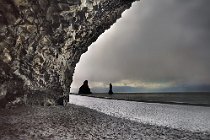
(188, 98)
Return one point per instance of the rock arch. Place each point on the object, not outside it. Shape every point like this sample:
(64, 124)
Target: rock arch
(42, 40)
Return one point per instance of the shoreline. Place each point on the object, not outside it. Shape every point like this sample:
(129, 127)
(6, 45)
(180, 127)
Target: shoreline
(81, 123)
(192, 118)
(113, 97)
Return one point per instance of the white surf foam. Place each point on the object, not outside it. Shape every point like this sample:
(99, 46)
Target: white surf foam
(193, 118)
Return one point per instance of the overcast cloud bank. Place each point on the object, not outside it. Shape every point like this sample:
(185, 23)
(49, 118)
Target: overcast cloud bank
(155, 45)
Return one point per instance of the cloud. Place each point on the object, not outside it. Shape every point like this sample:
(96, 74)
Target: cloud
(141, 84)
(154, 42)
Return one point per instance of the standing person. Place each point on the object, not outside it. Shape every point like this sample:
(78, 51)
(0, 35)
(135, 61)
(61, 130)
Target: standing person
(110, 89)
(84, 89)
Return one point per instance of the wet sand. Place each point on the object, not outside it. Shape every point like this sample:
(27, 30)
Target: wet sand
(80, 123)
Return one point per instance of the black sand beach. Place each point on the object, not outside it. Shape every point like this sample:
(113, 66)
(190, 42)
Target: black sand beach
(80, 123)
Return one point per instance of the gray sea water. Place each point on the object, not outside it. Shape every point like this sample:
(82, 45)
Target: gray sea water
(188, 98)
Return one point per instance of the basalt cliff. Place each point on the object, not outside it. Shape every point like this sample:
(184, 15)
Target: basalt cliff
(41, 42)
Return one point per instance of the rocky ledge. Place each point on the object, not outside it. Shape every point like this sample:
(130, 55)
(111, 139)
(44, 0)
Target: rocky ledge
(42, 40)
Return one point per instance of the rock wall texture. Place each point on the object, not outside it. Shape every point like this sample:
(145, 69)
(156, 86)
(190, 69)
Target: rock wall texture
(42, 40)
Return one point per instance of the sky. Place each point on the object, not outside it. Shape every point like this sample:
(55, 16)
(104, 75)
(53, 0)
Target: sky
(157, 45)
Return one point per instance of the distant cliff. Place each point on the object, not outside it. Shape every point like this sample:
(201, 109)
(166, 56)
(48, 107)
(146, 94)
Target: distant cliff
(41, 42)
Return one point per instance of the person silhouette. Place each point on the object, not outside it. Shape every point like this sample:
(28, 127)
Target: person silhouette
(84, 89)
(110, 89)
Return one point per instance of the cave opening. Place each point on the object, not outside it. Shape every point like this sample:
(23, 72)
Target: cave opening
(97, 64)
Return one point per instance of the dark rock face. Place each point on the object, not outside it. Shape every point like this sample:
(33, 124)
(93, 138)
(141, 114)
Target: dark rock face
(42, 40)
(84, 89)
(110, 89)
